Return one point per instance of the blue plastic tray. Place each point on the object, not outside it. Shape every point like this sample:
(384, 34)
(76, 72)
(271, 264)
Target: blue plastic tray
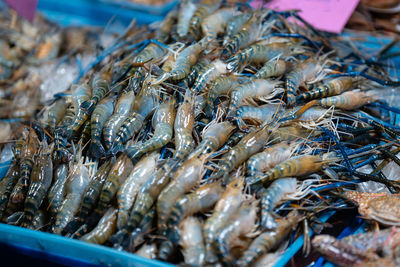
(99, 13)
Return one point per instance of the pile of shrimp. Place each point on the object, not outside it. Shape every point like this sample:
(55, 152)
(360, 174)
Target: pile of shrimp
(211, 138)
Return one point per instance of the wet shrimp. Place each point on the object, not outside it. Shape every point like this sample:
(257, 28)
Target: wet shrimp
(146, 197)
(213, 138)
(183, 127)
(242, 223)
(202, 11)
(76, 186)
(57, 190)
(331, 87)
(20, 190)
(261, 53)
(40, 182)
(248, 146)
(101, 113)
(55, 114)
(272, 196)
(255, 89)
(215, 23)
(348, 100)
(192, 241)
(185, 179)
(6, 186)
(130, 187)
(293, 167)
(162, 122)
(263, 114)
(301, 73)
(186, 12)
(81, 94)
(121, 111)
(209, 73)
(118, 174)
(100, 87)
(89, 198)
(223, 211)
(268, 159)
(268, 240)
(234, 24)
(272, 68)
(104, 229)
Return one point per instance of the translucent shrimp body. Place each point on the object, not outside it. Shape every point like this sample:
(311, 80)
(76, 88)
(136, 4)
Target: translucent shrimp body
(130, 187)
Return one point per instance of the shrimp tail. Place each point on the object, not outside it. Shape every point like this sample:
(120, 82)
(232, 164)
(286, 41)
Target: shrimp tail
(72, 226)
(88, 106)
(97, 150)
(120, 239)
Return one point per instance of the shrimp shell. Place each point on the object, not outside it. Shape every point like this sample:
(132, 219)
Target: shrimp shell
(183, 127)
(57, 190)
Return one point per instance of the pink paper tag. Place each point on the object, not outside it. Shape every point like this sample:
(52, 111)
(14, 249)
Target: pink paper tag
(25, 8)
(326, 15)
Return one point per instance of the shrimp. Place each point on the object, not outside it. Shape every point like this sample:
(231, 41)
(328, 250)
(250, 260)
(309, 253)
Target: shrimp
(142, 106)
(117, 175)
(303, 72)
(261, 53)
(348, 100)
(99, 117)
(200, 200)
(197, 68)
(296, 166)
(183, 127)
(130, 187)
(192, 241)
(40, 220)
(18, 194)
(104, 229)
(272, 68)
(55, 114)
(248, 146)
(7, 184)
(186, 177)
(222, 85)
(273, 195)
(100, 87)
(331, 87)
(215, 23)
(185, 60)
(234, 24)
(241, 224)
(90, 197)
(145, 226)
(163, 32)
(76, 186)
(61, 153)
(209, 73)
(202, 11)
(162, 123)
(213, 138)
(226, 206)
(146, 197)
(85, 134)
(269, 158)
(57, 190)
(121, 111)
(249, 32)
(254, 89)
(81, 94)
(256, 115)
(268, 240)
(41, 179)
(186, 12)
